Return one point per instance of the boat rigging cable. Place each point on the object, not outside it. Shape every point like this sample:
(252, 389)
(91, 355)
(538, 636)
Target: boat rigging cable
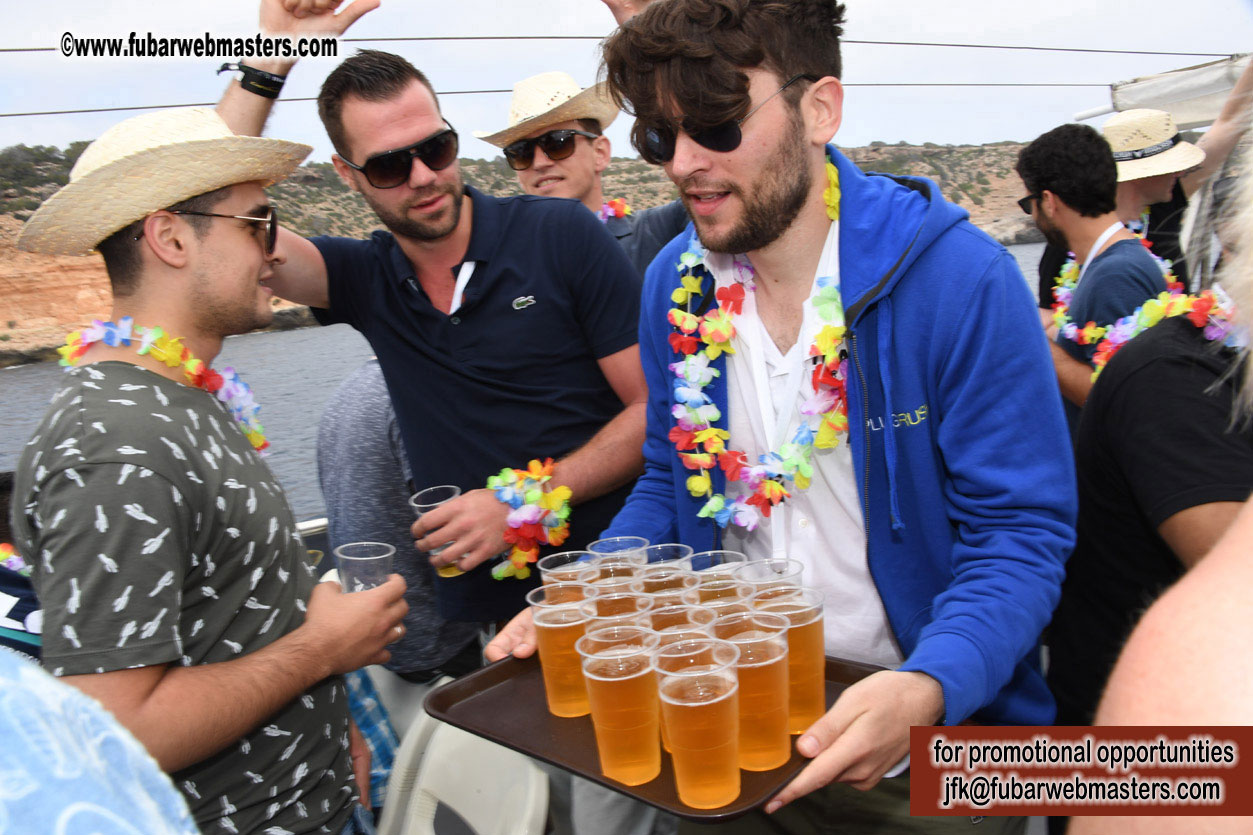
(599, 37)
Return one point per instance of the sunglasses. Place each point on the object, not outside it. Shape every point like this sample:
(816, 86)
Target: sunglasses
(657, 146)
(267, 225)
(1024, 203)
(391, 168)
(556, 144)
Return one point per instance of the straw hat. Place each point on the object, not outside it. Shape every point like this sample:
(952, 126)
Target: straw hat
(548, 99)
(1146, 143)
(145, 164)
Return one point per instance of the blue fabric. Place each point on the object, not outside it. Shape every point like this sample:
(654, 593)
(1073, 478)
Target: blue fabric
(68, 766)
(366, 707)
(1119, 280)
(968, 516)
(361, 822)
(510, 376)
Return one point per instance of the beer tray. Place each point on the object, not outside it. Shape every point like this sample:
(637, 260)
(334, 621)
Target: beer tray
(504, 702)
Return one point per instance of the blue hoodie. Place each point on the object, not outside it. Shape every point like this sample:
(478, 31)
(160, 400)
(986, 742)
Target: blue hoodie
(966, 478)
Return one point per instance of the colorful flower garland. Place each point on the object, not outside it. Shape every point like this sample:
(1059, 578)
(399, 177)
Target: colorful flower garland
(540, 515)
(1068, 279)
(614, 208)
(1211, 310)
(698, 340)
(12, 560)
(226, 384)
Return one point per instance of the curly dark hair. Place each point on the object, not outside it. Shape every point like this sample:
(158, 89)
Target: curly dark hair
(370, 75)
(692, 54)
(1075, 163)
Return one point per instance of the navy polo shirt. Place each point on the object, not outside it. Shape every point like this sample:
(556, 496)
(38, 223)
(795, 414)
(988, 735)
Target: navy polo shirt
(512, 374)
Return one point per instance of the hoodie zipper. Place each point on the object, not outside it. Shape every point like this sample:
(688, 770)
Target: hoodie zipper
(865, 413)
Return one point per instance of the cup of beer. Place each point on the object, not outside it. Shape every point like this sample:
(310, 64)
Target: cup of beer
(700, 708)
(806, 660)
(616, 609)
(559, 623)
(622, 692)
(668, 582)
(762, 672)
(631, 547)
(719, 586)
(685, 617)
(774, 572)
(666, 552)
(716, 562)
(424, 501)
(565, 567)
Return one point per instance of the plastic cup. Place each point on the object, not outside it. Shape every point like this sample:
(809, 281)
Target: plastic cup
(719, 586)
(559, 624)
(671, 618)
(700, 708)
(665, 577)
(620, 546)
(622, 584)
(363, 565)
(717, 562)
(806, 659)
(770, 573)
(762, 671)
(427, 500)
(606, 610)
(666, 552)
(565, 567)
(622, 693)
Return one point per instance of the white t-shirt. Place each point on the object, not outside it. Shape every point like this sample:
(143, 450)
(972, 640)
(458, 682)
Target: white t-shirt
(821, 526)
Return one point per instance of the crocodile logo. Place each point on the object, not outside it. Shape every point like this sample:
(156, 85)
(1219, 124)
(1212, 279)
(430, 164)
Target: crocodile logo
(523, 301)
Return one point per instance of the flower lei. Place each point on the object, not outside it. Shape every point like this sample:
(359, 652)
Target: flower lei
(614, 208)
(539, 515)
(1064, 289)
(698, 340)
(1211, 311)
(12, 560)
(154, 342)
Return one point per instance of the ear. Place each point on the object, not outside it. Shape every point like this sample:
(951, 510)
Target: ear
(168, 237)
(345, 172)
(1048, 203)
(823, 105)
(602, 148)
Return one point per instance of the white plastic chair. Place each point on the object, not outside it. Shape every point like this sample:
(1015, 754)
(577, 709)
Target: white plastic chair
(405, 768)
(496, 791)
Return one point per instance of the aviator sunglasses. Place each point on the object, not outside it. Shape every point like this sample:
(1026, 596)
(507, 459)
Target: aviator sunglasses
(268, 225)
(657, 146)
(391, 168)
(556, 145)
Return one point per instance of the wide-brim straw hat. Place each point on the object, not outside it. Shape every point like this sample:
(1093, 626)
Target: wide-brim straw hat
(1146, 143)
(548, 99)
(147, 163)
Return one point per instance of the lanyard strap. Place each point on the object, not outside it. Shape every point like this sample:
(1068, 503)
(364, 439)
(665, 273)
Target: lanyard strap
(1096, 247)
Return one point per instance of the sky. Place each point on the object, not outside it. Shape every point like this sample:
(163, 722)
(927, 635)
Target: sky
(41, 81)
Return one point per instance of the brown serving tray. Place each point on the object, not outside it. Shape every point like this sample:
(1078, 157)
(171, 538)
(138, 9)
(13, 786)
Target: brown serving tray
(504, 702)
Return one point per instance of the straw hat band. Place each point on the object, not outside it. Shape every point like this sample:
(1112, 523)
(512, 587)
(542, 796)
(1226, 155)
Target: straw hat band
(1152, 150)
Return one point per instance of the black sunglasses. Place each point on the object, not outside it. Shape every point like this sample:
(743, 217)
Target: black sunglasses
(391, 168)
(657, 146)
(556, 144)
(1024, 203)
(268, 224)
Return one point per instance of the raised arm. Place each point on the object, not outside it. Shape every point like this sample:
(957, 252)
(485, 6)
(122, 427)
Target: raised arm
(246, 113)
(1219, 141)
(624, 10)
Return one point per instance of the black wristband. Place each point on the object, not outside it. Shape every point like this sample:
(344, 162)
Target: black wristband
(260, 82)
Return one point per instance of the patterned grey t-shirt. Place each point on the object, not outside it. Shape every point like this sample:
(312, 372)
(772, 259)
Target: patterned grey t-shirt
(158, 536)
